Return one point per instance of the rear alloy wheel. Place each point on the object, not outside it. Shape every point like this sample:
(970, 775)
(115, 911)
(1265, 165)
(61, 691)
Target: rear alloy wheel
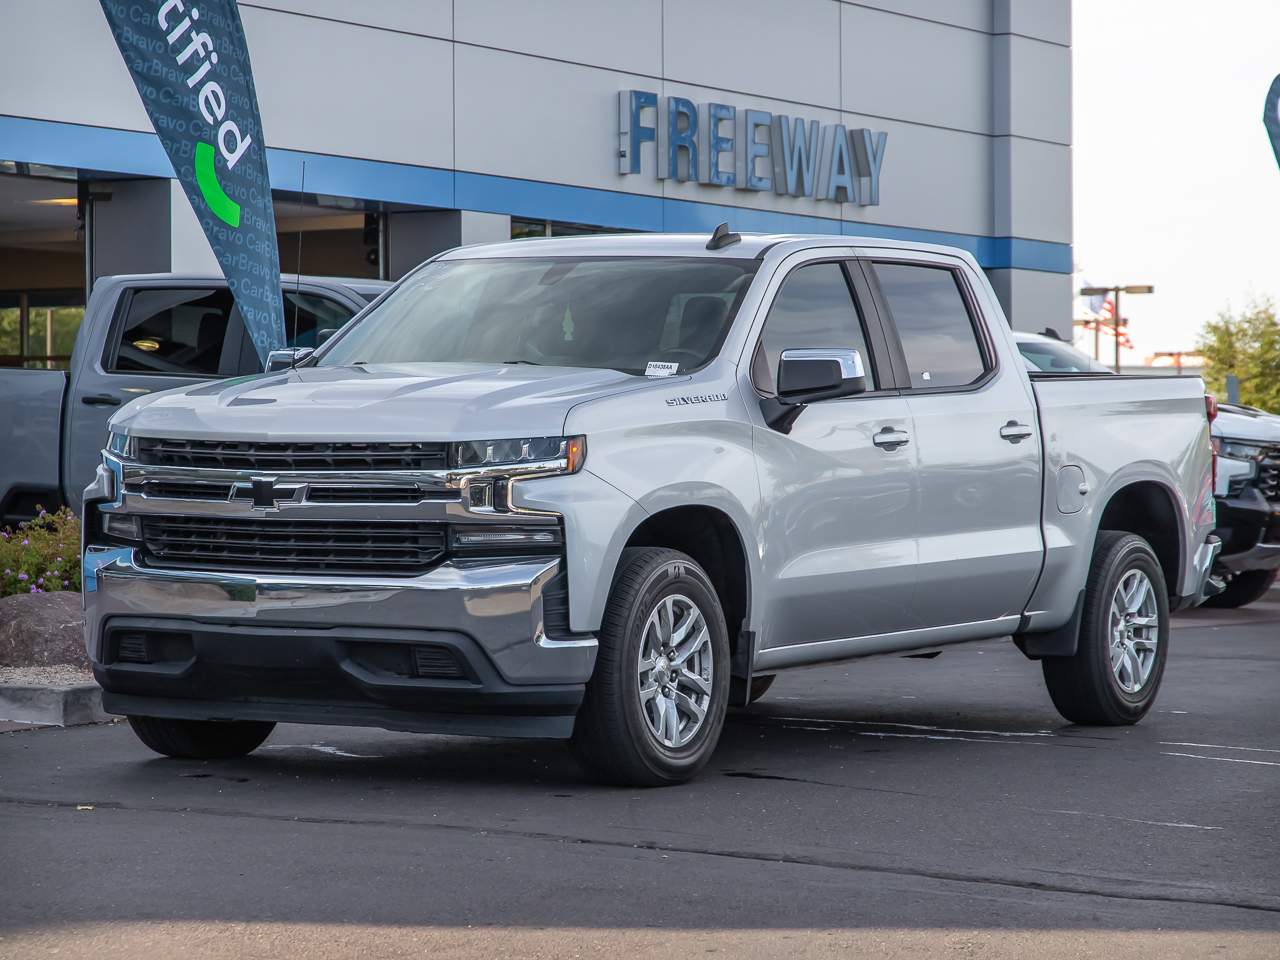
(654, 708)
(1243, 589)
(1114, 675)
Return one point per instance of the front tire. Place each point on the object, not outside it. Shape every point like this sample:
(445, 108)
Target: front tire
(655, 705)
(1113, 678)
(1243, 589)
(201, 739)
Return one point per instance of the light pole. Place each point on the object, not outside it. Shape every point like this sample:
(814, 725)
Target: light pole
(1116, 320)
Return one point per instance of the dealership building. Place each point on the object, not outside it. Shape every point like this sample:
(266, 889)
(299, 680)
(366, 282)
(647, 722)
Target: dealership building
(398, 129)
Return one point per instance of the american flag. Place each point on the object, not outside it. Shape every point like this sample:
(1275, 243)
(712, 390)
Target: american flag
(1103, 307)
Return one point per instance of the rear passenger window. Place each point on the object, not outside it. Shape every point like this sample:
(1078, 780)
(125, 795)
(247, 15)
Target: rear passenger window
(814, 308)
(931, 317)
(180, 332)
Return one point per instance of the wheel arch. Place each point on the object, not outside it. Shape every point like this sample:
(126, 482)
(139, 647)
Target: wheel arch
(1149, 508)
(711, 537)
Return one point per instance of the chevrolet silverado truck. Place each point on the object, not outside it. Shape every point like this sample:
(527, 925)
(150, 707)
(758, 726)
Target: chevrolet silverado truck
(601, 488)
(140, 334)
(1247, 442)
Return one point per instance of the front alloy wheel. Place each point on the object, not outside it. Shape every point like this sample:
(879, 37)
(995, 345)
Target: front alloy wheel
(676, 670)
(655, 705)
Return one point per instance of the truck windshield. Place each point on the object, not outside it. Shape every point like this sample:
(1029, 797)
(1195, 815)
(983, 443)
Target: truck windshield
(622, 313)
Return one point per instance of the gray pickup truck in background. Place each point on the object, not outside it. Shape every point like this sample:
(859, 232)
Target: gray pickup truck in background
(601, 488)
(140, 334)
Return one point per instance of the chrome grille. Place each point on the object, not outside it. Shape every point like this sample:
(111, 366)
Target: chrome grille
(286, 546)
(1269, 476)
(269, 456)
(331, 493)
(181, 490)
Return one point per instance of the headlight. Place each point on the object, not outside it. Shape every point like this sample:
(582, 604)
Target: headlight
(119, 444)
(1238, 450)
(560, 454)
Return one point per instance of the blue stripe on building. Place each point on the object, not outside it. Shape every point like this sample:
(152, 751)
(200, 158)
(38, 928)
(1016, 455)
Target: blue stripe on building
(112, 151)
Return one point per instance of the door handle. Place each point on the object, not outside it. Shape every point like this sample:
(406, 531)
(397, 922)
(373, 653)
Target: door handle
(100, 400)
(891, 439)
(1015, 432)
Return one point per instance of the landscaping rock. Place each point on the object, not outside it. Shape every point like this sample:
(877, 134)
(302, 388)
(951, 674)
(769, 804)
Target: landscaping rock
(42, 629)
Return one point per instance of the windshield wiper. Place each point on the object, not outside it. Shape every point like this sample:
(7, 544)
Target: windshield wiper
(528, 363)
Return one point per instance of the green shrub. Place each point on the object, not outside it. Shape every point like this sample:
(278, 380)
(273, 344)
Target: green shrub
(42, 555)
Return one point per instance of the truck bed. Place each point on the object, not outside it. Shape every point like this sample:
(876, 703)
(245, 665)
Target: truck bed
(1102, 431)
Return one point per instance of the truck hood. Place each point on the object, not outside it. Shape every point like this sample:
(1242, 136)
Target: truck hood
(412, 401)
(1237, 423)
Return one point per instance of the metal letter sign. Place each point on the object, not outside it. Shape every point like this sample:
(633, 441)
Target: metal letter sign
(1271, 116)
(770, 152)
(190, 64)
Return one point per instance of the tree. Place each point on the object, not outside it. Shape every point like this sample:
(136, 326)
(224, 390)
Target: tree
(1247, 345)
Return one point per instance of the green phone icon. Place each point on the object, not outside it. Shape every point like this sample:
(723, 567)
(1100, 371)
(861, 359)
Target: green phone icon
(223, 207)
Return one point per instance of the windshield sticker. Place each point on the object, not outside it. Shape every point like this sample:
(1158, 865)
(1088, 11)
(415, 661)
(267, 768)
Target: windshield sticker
(657, 368)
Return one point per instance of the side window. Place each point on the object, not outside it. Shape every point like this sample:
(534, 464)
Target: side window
(937, 333)
(306, 314)
(179, 332)
(814, 308)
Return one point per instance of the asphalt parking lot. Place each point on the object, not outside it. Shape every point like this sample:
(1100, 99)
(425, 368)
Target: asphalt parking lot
(890, 807)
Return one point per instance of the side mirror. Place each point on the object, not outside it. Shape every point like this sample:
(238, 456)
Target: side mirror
(806, 376)
(285, 359)
(324, 334)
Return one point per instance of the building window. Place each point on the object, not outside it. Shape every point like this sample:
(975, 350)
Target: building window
(38, 327)
(522, 229)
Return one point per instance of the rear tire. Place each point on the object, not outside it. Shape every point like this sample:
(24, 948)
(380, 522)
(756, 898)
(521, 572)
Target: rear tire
(1114, 675)
(650, 718)
(1243, 589)
(201, 739)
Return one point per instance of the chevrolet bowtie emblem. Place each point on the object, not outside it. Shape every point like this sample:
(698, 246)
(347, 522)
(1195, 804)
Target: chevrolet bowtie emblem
(265, 492)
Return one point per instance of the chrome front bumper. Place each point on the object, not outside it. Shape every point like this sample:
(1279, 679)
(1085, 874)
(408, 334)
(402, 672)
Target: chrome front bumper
(1264, 556)
(496, 603)
(337, 650)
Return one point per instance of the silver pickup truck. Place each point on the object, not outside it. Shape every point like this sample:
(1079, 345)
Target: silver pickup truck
(603, 488)
(141, 334)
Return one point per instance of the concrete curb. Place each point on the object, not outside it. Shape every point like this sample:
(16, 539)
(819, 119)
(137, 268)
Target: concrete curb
(65, 706)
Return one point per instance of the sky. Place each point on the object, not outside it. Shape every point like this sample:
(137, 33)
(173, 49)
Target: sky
(1175, 184)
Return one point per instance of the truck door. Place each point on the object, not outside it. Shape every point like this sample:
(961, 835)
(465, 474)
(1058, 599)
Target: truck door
(162, 336)
(838, 489)
(977, 440)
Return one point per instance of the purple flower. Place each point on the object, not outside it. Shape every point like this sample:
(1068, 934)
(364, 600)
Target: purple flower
(66, 583)
(25, 542)
(36, 590)
(23, 577)
(59, 560)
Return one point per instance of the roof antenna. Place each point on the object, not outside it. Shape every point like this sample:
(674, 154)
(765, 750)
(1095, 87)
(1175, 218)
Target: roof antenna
(722, 237)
